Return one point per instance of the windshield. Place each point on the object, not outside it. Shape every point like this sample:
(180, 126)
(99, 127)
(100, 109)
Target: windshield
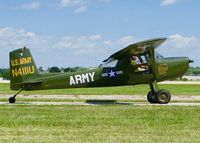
(109, 63)
(158, 55)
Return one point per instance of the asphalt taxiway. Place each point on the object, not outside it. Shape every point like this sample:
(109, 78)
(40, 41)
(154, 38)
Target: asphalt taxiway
(103, 103)
(182, 98)
(134, 100)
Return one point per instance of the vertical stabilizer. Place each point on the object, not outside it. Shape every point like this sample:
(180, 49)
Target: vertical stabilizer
(22, 67)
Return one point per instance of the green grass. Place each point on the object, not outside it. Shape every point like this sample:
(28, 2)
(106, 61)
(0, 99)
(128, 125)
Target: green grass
(125, 90)
(105, 123)
(89, 124)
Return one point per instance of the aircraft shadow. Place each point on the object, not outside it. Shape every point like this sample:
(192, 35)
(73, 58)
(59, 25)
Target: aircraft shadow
(106, 102)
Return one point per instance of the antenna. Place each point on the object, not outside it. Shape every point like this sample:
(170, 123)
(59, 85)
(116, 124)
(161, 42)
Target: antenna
(25, 43)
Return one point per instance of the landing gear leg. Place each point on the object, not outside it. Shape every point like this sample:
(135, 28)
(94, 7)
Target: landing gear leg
(157, 95)
(12, 99)
(151, 96)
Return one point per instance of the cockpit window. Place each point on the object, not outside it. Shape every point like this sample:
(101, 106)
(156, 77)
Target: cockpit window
(109, 63)
(158, 55)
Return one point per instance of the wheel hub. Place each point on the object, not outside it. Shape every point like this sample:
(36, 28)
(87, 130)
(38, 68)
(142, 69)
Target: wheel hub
(163, 97)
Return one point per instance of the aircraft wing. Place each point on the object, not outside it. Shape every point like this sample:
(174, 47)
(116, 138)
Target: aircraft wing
(137, 48)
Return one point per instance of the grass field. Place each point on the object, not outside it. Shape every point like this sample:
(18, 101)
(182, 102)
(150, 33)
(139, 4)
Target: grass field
(89, 124)
(101, 123)
(125, 90)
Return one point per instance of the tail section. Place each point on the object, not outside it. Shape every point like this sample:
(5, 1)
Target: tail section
(22, 68)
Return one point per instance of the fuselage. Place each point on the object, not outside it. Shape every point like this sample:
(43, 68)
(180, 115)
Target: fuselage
(165, 68)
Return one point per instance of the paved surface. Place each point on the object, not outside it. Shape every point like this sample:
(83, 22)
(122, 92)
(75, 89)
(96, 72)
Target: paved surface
(179, 82)
(186, 100)
(4, 81)
(103, 103)
(103, 97)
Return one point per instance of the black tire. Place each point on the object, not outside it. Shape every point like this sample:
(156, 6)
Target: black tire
(163, 96)
(151, 97)
(12, 100)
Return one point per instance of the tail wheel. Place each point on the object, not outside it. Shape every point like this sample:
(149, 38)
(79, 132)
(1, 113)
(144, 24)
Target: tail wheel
(12, 100)
(151, 97)
(163, 96)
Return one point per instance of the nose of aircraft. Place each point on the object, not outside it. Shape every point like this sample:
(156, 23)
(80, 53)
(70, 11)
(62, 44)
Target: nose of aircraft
(175, 67)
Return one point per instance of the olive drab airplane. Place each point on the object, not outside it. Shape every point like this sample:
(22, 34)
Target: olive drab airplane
(136, 64)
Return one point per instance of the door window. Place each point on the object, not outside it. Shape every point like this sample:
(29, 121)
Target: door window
(140, 62)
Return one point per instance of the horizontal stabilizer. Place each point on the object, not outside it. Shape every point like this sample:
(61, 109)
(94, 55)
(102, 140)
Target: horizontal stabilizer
(29, 85)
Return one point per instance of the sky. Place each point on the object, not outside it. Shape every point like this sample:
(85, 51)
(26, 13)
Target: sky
(68, 33)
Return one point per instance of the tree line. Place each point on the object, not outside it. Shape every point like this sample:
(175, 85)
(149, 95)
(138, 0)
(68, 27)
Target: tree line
(193, 71)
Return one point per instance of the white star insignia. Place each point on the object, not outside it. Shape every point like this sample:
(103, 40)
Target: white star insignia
(112, 74)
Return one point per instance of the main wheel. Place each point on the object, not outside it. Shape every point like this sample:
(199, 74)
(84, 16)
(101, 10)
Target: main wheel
(12, 100)
(151, 97)
(163, 96)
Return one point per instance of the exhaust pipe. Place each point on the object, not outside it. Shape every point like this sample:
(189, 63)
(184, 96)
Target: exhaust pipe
(191, 61)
